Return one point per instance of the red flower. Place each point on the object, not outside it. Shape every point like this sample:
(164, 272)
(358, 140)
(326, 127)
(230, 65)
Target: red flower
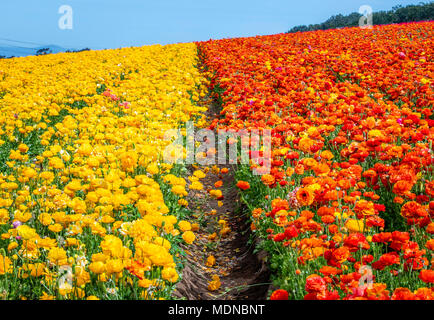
(385, 260)
(403, 294)
(356, 241)
(291, 232)
(315, 284)
(279, 294)
(427, 276)
(382, 237)
(243, 185)
(279, 237)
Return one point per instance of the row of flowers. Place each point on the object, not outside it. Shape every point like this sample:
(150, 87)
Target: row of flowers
(88, 209)
(347, 209)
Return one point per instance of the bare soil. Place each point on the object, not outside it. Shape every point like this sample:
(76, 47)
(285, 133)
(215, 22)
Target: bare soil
(243, 273)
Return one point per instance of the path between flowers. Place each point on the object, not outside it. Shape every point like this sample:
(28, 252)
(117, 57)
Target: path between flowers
(221, 263)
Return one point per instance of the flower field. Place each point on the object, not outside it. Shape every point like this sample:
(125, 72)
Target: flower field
(89, 209)
(84, 211)
(347, 209)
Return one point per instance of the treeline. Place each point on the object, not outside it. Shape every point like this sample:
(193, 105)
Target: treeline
(80, 50)
(398, 14)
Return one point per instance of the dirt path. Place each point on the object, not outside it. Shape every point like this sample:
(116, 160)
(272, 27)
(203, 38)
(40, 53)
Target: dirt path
(243, 274)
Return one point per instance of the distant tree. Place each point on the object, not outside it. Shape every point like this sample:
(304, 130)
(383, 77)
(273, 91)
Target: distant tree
(80, 50)
(43, 51)
(398, 14)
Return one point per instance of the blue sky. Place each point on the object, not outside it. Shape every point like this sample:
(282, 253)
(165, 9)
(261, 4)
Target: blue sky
(99, 24)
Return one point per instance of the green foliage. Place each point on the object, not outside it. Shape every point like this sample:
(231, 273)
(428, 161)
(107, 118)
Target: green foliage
(398, 14)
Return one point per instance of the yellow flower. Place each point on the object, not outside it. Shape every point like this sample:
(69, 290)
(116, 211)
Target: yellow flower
(46, 243)
(114, 266)
(111, 246)
(216, 194)
(169, 274)
(145, 283)
(30, 173)
(183, 202)
(57, 256)
(188, 237)
(196, 185)
(22, 216)
(35, 270)
(55, 227)
(97, 267)
(23, 148)
(12, 246)
(210, 261)
(179, 190)
(26, 232)
(184, 226)
(45, 219)
(107, 219)
(47, 175)
(78, 205)
(152, 169)
(214, 284)
(56, 163)
(199, 174)
(5, 265)
(46, 296)
(72, 242)
(4, 216)
(354, 225)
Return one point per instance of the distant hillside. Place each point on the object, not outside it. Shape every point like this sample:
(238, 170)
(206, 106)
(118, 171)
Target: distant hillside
(399, 14)
(14, 51)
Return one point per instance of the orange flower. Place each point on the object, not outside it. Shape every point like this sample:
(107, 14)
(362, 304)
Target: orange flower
(430, 228)
(341, 254)
(398, 200)
(256, 213)
(364, 207)
(268, 179)
(327, 270)
(289, 172)
(214, 284)
(321, 169)
(429, 188)
(305, 144)
(327, 155)
(299, 169)
(305, 196)
(323, 211)
(413, 209)
(430, 244)
(309, 163)
(402, 187)
(218, 184)
(328, 219)
(243, 185)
